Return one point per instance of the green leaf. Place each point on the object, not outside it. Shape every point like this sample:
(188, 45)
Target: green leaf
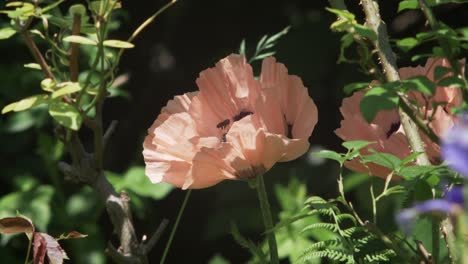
(419, 83)
(68, 88)
(348, 89)
(66, 115)
(441, 71)
(408, 4)
(365, 32)
(7, 32)
(242, 48)
(407, 44)
(451, 81)
(377, 99)
(48, 85)
(134, 180)
(118, 44)
(356, 144)
(26, 103)
(34, 66)
(409, 172)
(80, 40)
(410, 158)
(329, 154)
(384, 159)
(342, 13)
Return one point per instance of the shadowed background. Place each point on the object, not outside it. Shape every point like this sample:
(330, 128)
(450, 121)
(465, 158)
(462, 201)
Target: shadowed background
(190, 37)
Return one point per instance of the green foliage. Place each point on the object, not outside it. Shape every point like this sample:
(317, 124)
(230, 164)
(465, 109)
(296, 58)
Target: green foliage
(255, 250)
(377, 99)
(352, 242)
(33, 201)
(264, 46)
(135, 181)
(413, 4)
(66, 115)
(7, 32)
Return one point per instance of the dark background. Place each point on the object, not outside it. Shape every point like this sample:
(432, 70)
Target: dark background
(188, 38)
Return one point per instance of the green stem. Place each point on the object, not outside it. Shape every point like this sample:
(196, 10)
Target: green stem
(29, 248)
(267, 219)
(174, 228)
(435, 241)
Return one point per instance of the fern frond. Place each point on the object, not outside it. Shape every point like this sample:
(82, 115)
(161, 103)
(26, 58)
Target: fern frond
(328, 226)
(380, 256)
(331, 254)
(343, 217)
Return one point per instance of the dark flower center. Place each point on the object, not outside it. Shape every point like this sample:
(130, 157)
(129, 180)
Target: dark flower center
(225, 124)
(289, 132)
(241, 115)
(393, 128)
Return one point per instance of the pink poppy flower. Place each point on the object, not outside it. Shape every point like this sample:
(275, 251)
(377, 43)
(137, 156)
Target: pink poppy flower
(386, 130)
(235, 127)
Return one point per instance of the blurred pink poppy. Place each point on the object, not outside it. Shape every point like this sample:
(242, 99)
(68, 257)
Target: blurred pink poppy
(386, 131)
(234, 127)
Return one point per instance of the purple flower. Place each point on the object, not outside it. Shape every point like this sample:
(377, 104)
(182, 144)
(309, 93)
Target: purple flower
(451, 204)
(455, 146)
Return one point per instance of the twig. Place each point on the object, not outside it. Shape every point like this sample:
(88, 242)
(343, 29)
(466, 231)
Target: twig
(155, 237)
(74, 49)
(37, 54)
(423, 251)
(110, 130)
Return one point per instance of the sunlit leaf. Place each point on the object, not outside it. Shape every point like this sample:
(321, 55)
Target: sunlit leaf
(48, 85)
(408, 4)
(34, 66)
(68, 88)
(7, 32)
(134, 180)
(118, 44)
(356, 144)
(80, 40)
(384, 159)
(66, 115)
(26, 103)
(407, 44)
(328, 154)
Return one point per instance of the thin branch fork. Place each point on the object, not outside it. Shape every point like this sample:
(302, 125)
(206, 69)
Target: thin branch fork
(83, 170)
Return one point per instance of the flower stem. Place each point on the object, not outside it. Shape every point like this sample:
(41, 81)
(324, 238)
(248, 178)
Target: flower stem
(435, 241)
(267, 219)
(174, 228)
(29, 249)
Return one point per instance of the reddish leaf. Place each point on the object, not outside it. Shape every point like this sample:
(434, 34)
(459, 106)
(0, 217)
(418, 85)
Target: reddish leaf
(39, 248)
(72, 234)
(15, 225)
(54, 251)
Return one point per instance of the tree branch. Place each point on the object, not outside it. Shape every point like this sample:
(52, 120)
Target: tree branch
(388, 61)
